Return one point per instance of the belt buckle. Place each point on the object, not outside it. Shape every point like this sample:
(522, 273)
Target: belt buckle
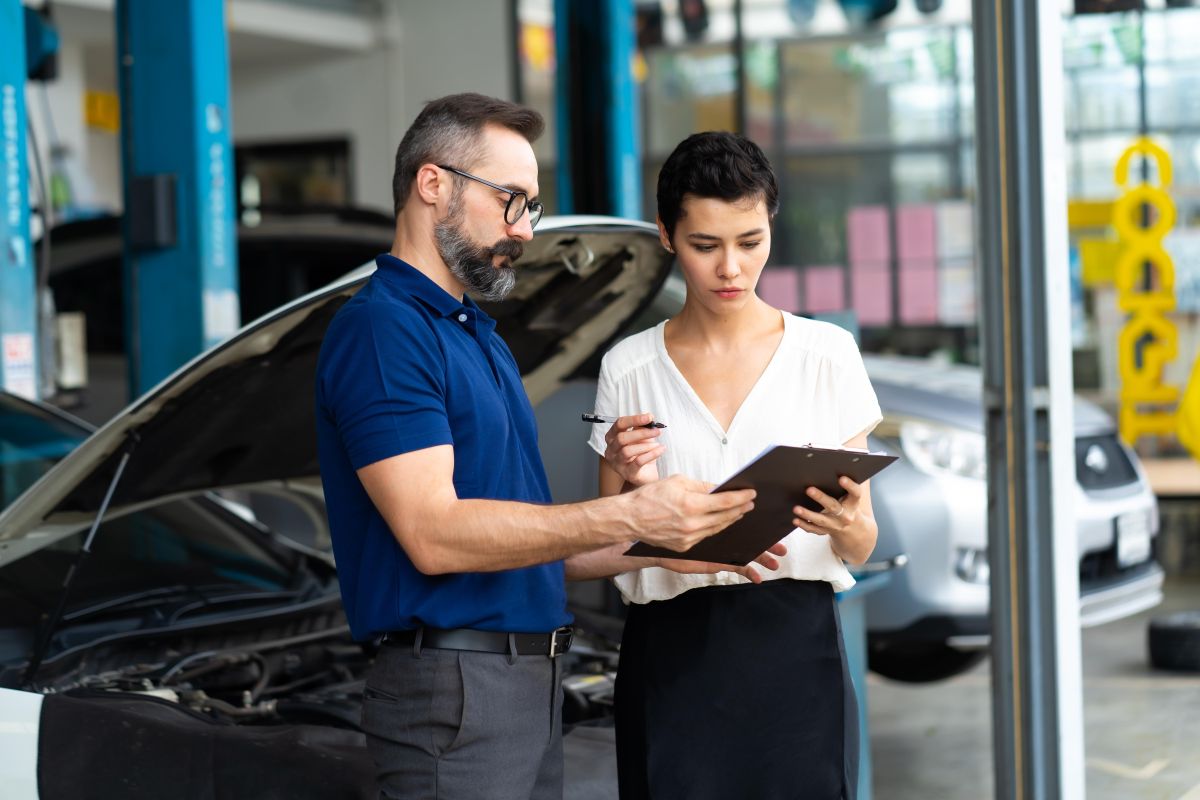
(564, 634)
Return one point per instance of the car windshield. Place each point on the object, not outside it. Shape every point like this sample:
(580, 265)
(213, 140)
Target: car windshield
(32, 440)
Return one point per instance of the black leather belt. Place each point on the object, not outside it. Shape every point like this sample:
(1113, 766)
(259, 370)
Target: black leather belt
(551, 644)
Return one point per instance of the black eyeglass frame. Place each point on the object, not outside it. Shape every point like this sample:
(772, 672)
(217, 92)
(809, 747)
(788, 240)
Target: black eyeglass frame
(534, 207)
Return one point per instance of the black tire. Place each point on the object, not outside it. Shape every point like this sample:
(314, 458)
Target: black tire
(1175, 641)
(922, 663)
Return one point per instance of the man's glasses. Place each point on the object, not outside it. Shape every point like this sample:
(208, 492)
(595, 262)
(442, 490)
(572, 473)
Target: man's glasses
(518, 202)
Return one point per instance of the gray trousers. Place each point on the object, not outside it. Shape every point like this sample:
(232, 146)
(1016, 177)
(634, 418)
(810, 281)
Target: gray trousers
(451, 724)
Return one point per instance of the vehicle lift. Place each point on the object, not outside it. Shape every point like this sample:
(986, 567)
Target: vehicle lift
(179, 226)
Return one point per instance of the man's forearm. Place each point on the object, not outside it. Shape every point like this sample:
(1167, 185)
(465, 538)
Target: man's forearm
(493, 535)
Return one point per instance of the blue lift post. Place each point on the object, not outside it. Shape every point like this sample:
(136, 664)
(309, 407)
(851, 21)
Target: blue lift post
(599, 159)
(18, 293)
(181, 273)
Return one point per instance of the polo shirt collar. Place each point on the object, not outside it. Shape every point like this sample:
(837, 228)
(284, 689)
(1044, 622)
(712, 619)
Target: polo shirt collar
(419, 285)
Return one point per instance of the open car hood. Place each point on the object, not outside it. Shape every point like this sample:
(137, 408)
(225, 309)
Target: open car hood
(242, 413)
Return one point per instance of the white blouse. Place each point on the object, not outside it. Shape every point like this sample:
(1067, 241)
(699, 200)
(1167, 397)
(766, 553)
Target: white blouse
(814, 390)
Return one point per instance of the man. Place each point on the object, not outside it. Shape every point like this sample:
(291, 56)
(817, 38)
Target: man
(436, 493)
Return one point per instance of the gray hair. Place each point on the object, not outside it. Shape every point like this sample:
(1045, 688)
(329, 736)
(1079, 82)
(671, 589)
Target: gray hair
(449, 131)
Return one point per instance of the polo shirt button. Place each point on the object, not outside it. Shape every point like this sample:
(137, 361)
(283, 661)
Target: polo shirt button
(724, 440)
(462, 317)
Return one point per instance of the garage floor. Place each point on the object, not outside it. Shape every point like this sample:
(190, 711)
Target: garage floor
(1142, 728)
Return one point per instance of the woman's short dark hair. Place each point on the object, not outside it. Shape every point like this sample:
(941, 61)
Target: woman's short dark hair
(449, 130)
(718, 165)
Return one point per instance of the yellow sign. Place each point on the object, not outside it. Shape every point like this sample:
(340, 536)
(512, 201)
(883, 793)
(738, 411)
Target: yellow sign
(1145, 280)
(102, 110)
(1189, 414)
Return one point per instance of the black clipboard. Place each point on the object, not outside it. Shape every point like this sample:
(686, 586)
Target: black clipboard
(780, 475)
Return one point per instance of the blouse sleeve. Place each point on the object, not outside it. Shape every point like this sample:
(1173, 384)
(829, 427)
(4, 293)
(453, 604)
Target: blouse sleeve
(606, 404)
(858, 407)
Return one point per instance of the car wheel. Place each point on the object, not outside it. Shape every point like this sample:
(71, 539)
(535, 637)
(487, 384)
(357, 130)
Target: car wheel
(1175, 641)
(922, 663)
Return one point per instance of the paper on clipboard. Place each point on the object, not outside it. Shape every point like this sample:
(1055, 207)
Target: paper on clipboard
(781, 476)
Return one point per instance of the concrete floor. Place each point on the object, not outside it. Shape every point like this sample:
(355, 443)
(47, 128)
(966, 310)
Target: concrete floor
(1142, 728)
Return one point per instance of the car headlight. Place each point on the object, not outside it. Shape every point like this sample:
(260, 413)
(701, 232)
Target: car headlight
(935, 449)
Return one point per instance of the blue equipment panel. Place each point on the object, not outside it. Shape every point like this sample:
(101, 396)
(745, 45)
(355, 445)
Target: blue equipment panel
(599, 168)
(181, 272)
(18, 346)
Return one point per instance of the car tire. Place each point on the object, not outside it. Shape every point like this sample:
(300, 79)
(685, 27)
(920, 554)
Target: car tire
(1175, 641)
(922, 663)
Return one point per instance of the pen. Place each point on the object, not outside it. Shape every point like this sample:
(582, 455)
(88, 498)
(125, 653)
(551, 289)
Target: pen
(597, 418)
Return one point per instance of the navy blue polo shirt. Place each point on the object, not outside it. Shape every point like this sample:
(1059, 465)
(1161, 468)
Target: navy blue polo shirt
(405, 366)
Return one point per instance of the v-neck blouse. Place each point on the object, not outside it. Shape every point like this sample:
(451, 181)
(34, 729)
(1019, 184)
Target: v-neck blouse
(814, 390)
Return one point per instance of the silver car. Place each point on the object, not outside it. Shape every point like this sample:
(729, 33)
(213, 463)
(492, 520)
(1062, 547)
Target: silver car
(931, 619)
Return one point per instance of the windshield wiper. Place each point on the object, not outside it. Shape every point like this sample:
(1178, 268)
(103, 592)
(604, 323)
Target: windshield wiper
(39, 653)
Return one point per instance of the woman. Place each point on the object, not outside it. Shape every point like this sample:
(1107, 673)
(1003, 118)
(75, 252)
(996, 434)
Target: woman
(727, 688)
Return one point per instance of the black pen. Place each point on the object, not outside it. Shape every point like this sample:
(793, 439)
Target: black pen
(597, 418)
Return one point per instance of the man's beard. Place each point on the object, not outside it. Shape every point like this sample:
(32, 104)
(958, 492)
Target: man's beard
(473, 263)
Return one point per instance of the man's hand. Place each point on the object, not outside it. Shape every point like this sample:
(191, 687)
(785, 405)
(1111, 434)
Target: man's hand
(678, 512)
(633, 450)
(685, 567)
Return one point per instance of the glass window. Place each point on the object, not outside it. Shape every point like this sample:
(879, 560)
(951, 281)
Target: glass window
(1092, 159)
(1173, 96)
(688, 90)
(1101, 99)
(1173, 36)
(820, 191)
(898, 87)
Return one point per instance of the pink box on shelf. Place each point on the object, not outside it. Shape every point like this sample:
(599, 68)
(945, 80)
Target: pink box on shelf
(824, 289)
(867, 237)
(919, 293)
(916, 232)
(780, 287)
(871, 294)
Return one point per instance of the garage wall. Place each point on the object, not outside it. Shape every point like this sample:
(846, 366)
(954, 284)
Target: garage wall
(425, 50)
(92, 162)
(280, 93)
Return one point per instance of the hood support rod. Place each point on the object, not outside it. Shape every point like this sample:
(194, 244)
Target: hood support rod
(39, 654)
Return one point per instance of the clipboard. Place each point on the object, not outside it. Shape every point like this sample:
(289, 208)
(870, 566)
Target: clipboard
(780, 475)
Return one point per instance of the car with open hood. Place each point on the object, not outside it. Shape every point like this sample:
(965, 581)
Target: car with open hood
(135, 599)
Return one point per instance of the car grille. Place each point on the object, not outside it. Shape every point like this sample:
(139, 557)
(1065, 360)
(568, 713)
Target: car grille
(1102, 565)
(1101, 463)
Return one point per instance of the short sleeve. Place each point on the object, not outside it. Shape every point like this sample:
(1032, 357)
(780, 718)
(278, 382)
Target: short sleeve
(381, 382)
(606, 404)
(858, 408)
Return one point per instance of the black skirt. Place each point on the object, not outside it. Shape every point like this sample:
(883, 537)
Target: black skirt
(737, 692)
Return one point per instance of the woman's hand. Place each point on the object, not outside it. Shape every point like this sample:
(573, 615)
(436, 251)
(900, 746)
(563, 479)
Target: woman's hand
(767, 559)
(848, 522)
(632, 450)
